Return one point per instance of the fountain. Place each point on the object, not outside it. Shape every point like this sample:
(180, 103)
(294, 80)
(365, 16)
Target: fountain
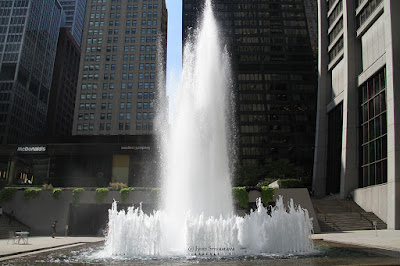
(196, 215)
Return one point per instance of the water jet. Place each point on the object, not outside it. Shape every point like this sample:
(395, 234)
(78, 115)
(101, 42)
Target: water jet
(196, 215)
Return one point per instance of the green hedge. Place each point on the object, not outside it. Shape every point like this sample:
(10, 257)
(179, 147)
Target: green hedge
(7, 194)
(76, 195)
(31, 193)
(101, 194)
(290, 183)
(56, 193)
(267, 194)
(124, 193)
(241, 196)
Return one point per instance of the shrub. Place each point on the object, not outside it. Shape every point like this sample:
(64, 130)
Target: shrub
(267, 194)
(76, 195)
(57, 193)
(290, 183)
(124, 193)
(117, 185)
(31, 193)
(47, 187)
(101, 194)
(7, 194)
(241, 196)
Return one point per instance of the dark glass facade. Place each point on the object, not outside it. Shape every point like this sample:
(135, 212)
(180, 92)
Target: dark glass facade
(86, 161)
(373, 130)
(28, 41)
(274, 75)
(60, 113)
(75, 11)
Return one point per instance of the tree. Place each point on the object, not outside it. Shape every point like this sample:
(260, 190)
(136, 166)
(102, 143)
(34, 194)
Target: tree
(271, 170)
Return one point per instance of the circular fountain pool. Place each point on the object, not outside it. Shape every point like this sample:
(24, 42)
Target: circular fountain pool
(326, 254)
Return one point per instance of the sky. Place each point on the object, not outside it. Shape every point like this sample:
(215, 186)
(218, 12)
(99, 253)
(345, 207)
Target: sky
(174, 45)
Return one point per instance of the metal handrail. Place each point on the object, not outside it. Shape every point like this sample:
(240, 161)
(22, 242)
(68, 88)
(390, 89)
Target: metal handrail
(354, 209)
(15, 220)
(327, 216)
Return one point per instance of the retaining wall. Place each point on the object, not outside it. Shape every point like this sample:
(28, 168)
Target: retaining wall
(39, 213)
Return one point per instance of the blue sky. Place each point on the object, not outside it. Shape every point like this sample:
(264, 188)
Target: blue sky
(174, 49)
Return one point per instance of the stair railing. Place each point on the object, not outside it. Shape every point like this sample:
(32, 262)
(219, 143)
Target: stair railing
(326, 216)
(351, 208)
(12, 218)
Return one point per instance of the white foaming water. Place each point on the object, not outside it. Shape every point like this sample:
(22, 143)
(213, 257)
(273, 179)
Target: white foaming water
(197, 214)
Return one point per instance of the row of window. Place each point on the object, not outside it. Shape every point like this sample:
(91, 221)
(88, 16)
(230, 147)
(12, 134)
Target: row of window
(335, 31)
(127, 40)
(92, 106)
(124, 76)
(335, 13)
(140, 95)
(336, 50)
(367, 11)
(111, 86)
(121, 126)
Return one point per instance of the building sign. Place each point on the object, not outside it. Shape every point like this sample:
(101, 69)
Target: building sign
(31, 149)
(136, 148)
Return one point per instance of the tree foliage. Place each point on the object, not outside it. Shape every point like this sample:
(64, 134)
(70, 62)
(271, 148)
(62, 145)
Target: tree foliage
(268, 172)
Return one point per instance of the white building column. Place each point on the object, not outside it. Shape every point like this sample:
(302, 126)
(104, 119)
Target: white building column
(324, 90)
(392, 41)
(350, 144)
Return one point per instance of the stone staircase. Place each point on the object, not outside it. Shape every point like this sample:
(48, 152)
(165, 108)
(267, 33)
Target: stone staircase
(344, 215)
(5, 226)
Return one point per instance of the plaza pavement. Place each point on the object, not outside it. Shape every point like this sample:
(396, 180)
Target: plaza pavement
(36, 244)
(383, 239)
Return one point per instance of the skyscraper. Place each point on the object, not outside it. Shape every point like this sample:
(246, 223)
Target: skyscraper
(358, 122)
(61, 108)
(28, 40)
(75, 11)
(274, 75)
(119, 68)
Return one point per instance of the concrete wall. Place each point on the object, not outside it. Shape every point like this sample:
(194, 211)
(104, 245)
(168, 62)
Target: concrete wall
(373, 199)
(338, 81)
(39, 213)
(373, 43)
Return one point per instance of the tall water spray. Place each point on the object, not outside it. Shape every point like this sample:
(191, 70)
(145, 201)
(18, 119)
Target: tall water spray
(197, 214)
(196, 161)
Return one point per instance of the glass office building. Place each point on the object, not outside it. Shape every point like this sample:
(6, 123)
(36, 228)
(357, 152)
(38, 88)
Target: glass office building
(274, 73)
(28, 41)
(75, 11)
(61, 108)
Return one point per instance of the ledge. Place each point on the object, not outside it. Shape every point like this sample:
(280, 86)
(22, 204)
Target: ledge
(372, 18)
(336, 60)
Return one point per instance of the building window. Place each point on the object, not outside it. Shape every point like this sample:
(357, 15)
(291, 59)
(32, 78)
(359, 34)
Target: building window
(368, 9)
(373, 133)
